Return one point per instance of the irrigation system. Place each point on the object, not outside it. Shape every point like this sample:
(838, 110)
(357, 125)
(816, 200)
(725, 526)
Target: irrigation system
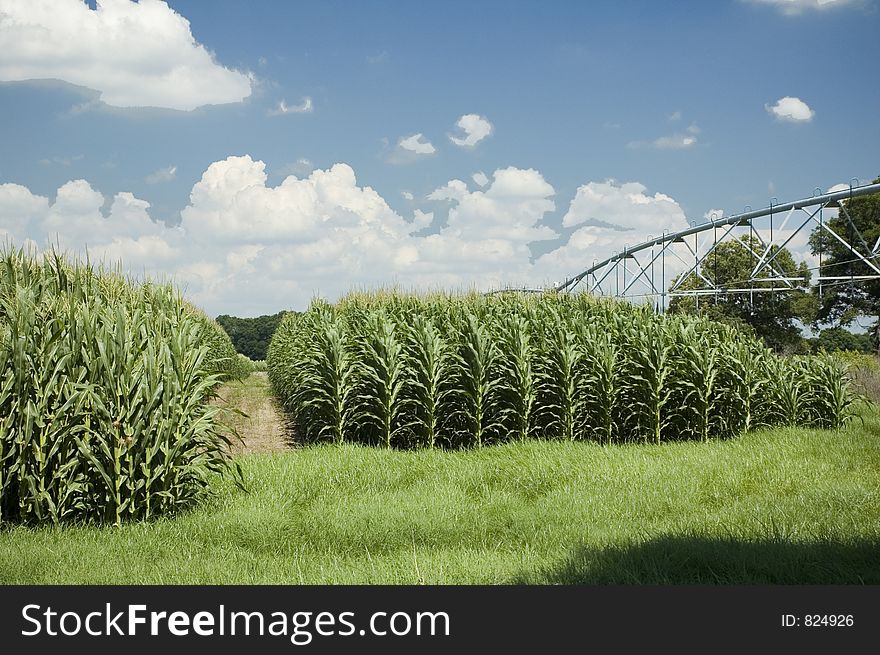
(644, 270)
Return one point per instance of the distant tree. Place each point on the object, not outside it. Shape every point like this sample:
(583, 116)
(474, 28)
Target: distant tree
(840, 302)
(772, 316)
(251, 336)
(838, 338)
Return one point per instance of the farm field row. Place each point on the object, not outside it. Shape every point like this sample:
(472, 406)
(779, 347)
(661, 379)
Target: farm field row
(781, 505)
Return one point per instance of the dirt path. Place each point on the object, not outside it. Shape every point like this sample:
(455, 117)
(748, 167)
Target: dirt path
(262, 430)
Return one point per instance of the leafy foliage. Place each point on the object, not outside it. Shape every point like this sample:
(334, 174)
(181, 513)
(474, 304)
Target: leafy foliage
(837, 338)
(251, 336)
(858, 220)
(770, 315)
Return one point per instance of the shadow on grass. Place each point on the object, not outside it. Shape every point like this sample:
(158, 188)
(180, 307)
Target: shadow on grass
(701, 560)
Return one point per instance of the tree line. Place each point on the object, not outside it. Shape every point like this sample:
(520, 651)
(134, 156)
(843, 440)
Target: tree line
(251, 336)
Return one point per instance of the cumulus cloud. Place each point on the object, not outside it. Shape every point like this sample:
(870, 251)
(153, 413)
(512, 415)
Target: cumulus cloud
(162, 175)
(474, 127)
(18, 207)
(610, 216)
(304, 107)
(406, 195)
(246, 247)
(75, 221)
(791, 109)
(231, 203)
(134, 54)
(509, 209)
(795, 7)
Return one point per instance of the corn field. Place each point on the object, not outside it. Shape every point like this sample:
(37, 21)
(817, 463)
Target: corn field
(453, 371)
(104, 390)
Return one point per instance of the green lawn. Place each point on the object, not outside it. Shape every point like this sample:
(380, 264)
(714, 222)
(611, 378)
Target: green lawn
(779, 506)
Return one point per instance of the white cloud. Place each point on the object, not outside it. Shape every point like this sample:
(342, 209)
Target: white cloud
(838, 187)
(406, 195)
(134, 54)
(675, 116)
(480, 178)
(304, 107)
(162, 175)
(231, 203)
(327, 234)
(475, 128)
(18, 207)
(248, 248)
(795, 7)
(623, 207)
(791, 109)
(75, 221)
(417, 143)
(509, 209)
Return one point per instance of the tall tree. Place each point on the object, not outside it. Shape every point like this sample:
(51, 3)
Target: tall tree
(772, 315)
(841, 301)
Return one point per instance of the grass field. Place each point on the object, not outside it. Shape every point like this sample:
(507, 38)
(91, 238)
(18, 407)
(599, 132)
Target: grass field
(789, 506)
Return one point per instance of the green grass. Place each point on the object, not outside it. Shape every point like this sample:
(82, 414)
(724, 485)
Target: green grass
(776, 506)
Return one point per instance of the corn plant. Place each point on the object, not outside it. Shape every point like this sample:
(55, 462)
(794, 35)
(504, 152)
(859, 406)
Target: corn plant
(602, 381)
(744, 379)
(787, 391)
(829, 401)
(701, 366)
(518, 355)
(479, 383)
(325, 379)
(104, 396)
(382, 374)
(562, 382)
(428, 358)
(650, 367)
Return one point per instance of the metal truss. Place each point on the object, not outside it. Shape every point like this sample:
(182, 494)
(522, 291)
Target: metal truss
(642, 271)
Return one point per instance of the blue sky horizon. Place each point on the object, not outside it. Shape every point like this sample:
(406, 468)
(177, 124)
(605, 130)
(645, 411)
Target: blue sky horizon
(264, 153)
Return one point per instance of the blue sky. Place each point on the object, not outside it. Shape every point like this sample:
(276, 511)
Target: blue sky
(595, 125)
